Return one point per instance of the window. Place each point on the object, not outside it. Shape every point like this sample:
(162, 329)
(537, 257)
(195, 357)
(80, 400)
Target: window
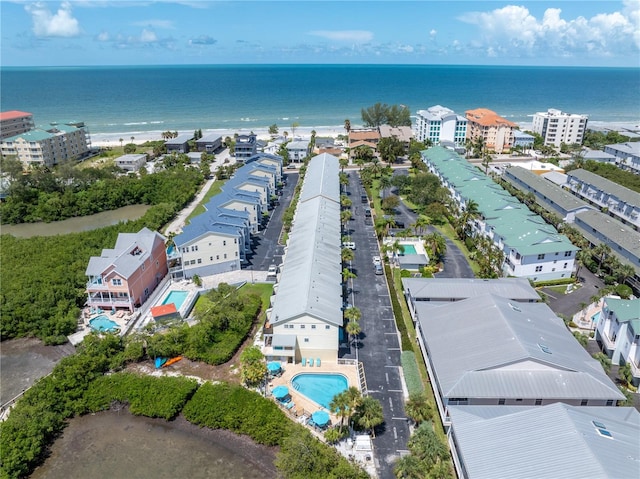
(501, 401)
(567, 254)
(541, 256)
(538, 269)
(327, 327)
(565, 265)
(199, 261)
(313, 326)
(116, 282)
(302, 326)
(225, 256)
(236, 254)
(224, 242)
(306, 340)
(519, 400)
(142, 266)
(157, 263)
(538, 402)
(217, 256)
(210, 258)
(610, 402)
(584, 402)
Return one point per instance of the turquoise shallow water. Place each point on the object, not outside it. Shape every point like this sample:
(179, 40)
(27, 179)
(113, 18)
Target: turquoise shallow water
(176, 297)
(157, 98)
(102, 323)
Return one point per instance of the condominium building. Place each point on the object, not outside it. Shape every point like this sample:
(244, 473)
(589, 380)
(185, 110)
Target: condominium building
(47, 147)
(15, 122)
(557, 127)
(496, 131)
(437, 124)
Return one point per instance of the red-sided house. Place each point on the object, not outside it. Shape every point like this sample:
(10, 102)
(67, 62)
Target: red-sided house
(125, 276)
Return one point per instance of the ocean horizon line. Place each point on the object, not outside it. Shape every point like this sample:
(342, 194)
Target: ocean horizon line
(302, 65)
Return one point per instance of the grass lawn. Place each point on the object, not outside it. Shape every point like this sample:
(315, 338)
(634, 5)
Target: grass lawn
(264, 290)
(216, 187)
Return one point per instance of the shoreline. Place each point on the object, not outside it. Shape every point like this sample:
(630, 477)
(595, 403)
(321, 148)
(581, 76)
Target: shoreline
(105, 140)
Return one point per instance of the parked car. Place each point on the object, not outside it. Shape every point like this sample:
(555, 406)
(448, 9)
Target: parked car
(272, 271)
(376, 260)
(349, 244)
(378, 269)
(364, 198)
(367, 212)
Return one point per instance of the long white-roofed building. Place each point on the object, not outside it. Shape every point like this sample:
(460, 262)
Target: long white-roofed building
(547, 442)
(490, 350)
(306, 316)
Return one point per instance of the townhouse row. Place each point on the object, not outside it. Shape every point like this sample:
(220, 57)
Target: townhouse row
(306, 319)
(532, 248)
(518, 395)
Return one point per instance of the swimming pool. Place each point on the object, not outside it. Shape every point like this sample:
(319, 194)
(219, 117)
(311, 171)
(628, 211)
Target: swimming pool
(409, 249)
(102, 323)
(595, 318)
(320, 388)
(176, 297)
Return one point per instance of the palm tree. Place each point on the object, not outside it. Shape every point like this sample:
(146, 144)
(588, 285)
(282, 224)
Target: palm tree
(347, 255)
(436, 243)
(410, 467)
(121, 140)
(353, 397)
(470, 213)
(601, 252)
(624, 272)
(339, 405)
(397, 249)
(421, 224)
(133, 138)
(385, 184)
(347, 125)
(353, 314)
(353, 329)
(370, 414)
(347, 274)
(418, 408)
(345, 216)
(344, 162)
(383, 224)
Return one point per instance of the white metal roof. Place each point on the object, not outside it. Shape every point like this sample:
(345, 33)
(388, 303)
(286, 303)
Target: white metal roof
(518, 289)
(491, 347)
(311, 275)
(554, 441)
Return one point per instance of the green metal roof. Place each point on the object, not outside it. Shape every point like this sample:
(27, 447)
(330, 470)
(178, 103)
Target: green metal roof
(626, 310)
(31, 135)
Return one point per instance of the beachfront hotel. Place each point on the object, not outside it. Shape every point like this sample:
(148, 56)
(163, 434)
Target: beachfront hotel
(305, 319)
(15, 122)
(497, 132)
(49, 146)
(438, 124)
(532, 248)
(557, 127)
(124, 277)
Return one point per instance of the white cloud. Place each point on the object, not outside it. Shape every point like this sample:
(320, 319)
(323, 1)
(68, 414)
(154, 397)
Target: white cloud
(433, 33)
(47, 24)
(148, 36)
(103, 36)
(357, 36)
(513, 31)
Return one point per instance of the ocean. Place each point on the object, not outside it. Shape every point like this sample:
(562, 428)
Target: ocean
(131, 100)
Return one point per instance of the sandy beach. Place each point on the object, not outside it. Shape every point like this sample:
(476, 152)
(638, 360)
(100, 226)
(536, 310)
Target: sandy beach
(113, 139)
(106, 140)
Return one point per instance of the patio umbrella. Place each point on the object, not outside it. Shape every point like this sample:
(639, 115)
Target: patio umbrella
(274, 366)
(321, 418)
(280, 392)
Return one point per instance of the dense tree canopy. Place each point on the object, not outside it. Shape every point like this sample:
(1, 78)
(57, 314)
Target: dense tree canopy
(383, 114)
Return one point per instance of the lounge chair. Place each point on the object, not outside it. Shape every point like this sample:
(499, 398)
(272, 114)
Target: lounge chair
(304, 361)
(310, 362)
(289, 405)
(318, 362)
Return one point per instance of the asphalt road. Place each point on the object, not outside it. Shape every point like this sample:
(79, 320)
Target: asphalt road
(266, 250)
(378, 347)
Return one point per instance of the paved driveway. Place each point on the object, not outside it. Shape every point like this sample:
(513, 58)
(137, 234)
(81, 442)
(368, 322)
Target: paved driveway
(379, 343)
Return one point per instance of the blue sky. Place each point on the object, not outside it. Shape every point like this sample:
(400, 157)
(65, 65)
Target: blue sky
(83, 32)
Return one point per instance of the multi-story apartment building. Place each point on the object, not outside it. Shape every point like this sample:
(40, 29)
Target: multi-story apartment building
(14, 123)
(298, 150)
(627, 155)
(125, 276)
(532, 248)
(438, 124)
(557, 127)
(496, 131)
(47, 147)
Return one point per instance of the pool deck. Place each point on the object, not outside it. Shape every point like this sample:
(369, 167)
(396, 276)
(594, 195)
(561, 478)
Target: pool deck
(303, 405)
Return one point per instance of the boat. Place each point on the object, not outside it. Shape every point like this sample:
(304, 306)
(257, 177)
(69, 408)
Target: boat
(171, 361)
(161, 362)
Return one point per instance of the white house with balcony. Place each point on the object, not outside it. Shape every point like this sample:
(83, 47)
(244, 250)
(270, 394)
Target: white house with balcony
(627, 155)
(304, 322)
(438, 124)
(298, 150)
(618, 333)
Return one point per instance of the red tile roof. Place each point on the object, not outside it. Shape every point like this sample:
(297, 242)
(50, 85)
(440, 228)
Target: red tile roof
(163, 310)
(486, 117)
(10, 115)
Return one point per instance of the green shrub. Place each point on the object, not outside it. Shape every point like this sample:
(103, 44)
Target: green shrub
(411, 372)
(227, 406)
(148, 396)
(554, 282)
(405, 273)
